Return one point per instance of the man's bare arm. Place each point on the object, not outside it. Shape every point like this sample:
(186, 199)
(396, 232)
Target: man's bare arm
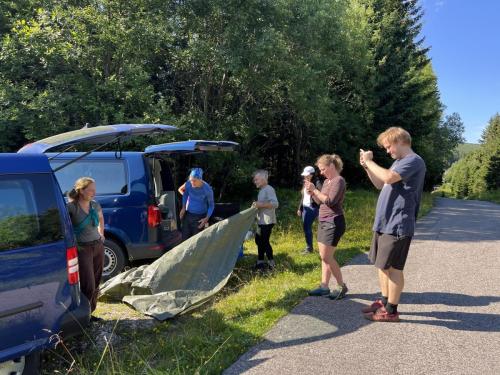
(385, 176)
(378, 183)
(378, 175)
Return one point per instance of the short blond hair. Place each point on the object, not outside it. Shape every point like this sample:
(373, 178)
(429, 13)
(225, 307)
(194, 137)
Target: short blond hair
(81, 184)
(328, 159)
(393, 135)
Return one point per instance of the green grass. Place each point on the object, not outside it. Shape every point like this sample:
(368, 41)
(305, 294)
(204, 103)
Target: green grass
(210, 339)
(491, 196)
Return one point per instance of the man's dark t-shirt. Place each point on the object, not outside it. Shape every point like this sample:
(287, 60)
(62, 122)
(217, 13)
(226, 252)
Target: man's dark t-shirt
(398, 203)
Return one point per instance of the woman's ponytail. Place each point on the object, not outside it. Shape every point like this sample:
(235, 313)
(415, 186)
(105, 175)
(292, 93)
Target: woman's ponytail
(73, 194)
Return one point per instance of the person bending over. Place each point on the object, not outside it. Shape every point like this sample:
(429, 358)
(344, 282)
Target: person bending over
(197, 204)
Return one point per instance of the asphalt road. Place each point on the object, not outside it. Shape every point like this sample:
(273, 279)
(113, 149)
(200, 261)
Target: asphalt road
(450, 309)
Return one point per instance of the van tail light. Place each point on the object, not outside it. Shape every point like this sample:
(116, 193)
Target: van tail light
(72, 264)
(154, 216)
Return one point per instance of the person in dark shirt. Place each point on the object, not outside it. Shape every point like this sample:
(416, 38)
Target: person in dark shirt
(397, 209)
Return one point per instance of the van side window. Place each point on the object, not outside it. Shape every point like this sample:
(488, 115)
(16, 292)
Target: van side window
(29, 214)
(110, 175)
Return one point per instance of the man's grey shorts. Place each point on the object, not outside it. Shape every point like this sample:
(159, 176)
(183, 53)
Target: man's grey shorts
(388, 251)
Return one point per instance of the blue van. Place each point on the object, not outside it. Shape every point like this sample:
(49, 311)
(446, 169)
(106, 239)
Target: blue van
(40, 297)
(137, 191)
(39, 281)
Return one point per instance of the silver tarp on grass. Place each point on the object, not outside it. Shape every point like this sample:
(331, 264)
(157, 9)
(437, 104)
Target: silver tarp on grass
(188, 275)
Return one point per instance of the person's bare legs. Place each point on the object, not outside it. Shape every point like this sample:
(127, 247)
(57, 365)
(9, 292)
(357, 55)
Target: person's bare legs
(396, 283)
(329, 265)
(383, 279)
(326, 273)
(391, 283)
(335, 268)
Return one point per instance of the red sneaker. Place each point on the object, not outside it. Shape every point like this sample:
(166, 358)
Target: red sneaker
(381, 315)
(373, 307)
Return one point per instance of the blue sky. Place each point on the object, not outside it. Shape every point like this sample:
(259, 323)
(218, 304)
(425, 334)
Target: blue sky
(464, 36)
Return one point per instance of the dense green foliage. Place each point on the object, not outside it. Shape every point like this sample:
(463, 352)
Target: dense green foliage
(463, 150)
(287, 79)
(478, 173)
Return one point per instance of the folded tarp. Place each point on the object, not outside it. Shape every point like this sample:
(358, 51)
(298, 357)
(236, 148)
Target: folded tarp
(188, 275)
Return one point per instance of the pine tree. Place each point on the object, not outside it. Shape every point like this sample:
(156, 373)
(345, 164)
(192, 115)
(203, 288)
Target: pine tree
(491, 142)
(401, 87)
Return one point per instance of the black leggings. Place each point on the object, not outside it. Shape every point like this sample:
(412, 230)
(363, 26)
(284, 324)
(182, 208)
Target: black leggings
(190, 225)
(262, 241)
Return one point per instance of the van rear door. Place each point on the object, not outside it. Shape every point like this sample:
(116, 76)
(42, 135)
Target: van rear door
(163, 184)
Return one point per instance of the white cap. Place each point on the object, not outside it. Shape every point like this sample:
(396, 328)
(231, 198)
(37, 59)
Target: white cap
(308, 171)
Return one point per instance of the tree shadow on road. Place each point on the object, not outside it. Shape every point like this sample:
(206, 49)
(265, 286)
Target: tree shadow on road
(455, 320)
(438, 298)
(315, 319)
(458, 321)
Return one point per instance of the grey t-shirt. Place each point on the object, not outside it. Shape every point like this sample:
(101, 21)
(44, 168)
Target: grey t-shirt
(398, 203)
(267, 215)
(77, 215)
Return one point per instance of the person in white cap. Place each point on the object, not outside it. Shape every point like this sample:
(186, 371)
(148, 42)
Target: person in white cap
(308, 208)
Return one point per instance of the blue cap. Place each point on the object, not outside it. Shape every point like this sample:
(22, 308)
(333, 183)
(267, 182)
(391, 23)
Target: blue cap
(196, 173)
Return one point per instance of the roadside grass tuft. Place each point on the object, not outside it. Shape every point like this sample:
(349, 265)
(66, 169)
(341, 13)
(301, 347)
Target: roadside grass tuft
(446, 191)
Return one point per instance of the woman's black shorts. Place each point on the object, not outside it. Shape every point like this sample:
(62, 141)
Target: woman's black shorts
(330, 232)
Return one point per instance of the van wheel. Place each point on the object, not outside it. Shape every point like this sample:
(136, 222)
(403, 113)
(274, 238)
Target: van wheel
(114, 259)
(28, 365)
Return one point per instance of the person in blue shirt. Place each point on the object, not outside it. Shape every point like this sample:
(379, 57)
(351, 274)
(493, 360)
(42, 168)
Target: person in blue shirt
(397, 209)
(197, 204)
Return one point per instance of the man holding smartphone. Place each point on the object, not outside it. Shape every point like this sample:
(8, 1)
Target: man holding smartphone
(397, 208)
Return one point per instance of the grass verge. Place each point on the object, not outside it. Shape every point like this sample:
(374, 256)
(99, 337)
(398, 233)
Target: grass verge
(491, 195)
(211, 338)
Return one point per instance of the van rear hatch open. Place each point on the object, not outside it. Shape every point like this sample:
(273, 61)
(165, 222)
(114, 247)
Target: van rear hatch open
(95, 135)
(190, 147)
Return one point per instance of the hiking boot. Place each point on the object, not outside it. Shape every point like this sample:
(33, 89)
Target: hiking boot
(373, 307)
(381, 315)
(261, 267)
(319, 292)
(339, 292)
(306, 251)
